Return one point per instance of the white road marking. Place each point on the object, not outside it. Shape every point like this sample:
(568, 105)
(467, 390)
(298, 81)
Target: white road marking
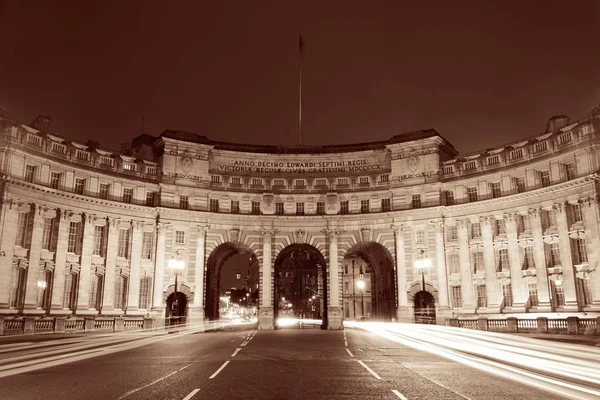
(245, 343)
(351, 355)
(345, 343)
(369, 369)
(152, 383)
(236, 351)
(397, 393)
(219, 370)
(192, 393)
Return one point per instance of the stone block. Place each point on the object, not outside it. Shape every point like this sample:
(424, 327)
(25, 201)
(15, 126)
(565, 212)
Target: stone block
(59, 325)
(29, 325)
(119, 324)
(572, 325)
(452, 322)
(149, 324)
(542, 325)
(1, 325)
(512, 325)
(482, 324)
(88, 325)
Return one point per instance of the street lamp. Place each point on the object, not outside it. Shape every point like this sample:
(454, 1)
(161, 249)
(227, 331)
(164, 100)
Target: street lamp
(422, 262)
(176, 264)
(361, 286)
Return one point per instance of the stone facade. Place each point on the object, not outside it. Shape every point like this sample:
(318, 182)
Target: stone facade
(508, 230)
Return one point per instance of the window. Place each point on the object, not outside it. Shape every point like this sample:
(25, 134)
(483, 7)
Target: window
(500, 227)
(416, 201)
(558, 293)
(98, 249)
(384, 178)
(364, 206)
(386, 205)
(150, 199)
(256, 182)
(215, 179)
(147, 246)
(420, 236)
(179, 237)
(520, 184)
(496, 190)
(478, 262)
(17, 286)
(22, 222)
(580, 252)
(321, 182)
(523, 223)
(475, 230)
(279, 183)
(345, 287)
(184, 202)
(472, 193)
(54, 180)
(454, 262)
(481, 296)
(344, 207)
(545, 178)
(79, 185)
(533, 294)
(363, 180)
(123, 249)
(73, 240)
(548, 218)
(279, 208)
(103, 191)
(452, 233)
(299, 208)
(29, 173)
(320, 208)
(516, 154)
(129, 167)
(503, 263)
(574, 213)
(95, 298)
(448, 169)
(528, 262)
(552, 252)
(256, 207)
(540, 146)
(470, 165)
(507, 296)
(127, 195)
(70, 290)
(48, 234)
(235, 206)
(236, 180)
(145, 285)
(120, 292)
(569, 170)
(586, 286)
(300, 183)
(448, 198)
(493, 160)
(214, 205)
(343, 181)
(456, 297)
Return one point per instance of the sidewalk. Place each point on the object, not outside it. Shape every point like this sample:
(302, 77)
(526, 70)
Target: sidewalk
(588, 340)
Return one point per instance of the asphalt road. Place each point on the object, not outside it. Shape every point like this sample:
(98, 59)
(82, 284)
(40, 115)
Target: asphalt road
(283, 364)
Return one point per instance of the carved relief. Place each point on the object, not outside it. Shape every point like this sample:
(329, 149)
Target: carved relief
(234, 235)
(366, 235)
(187, 162)
(413, 162)
(559, 207)
(300, 236)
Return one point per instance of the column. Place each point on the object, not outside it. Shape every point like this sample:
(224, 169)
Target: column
(9, 222)
(35, 251)
(266, 316)
(112, 247)
(159, 268)
(489, 261)
(518, 283)
(58, 287)
(334, 314)
(564, 244)
(592, 240)
(441, 265)
(403, 312)
(198, 307)
(135, 261)
(540, 260)
(468, 299)
(85, 273)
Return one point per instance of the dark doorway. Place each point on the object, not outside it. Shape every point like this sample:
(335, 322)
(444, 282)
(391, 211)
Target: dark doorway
(424, 308)
(300, 284)
(176, 308)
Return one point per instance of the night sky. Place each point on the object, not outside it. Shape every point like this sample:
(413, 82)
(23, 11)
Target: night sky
(481, 73)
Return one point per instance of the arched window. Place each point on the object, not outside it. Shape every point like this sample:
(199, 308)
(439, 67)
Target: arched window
(120, 292)
(454, 263)
(145, 286)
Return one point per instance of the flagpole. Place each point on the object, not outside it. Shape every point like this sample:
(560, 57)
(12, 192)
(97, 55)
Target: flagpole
(300, 90)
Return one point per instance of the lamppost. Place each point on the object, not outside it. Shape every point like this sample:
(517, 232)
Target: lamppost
(361, 286)
(176, 264)
(422, 262)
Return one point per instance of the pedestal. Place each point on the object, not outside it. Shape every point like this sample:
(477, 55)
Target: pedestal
(405, 315)
(196, 316)
(441, 314)
(158, 313)
(265, 319)
(334, 318)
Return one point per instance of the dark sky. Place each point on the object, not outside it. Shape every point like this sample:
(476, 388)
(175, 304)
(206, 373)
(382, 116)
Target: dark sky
(482, 73)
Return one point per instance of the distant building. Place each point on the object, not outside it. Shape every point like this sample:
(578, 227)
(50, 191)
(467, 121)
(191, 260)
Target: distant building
(504, 231)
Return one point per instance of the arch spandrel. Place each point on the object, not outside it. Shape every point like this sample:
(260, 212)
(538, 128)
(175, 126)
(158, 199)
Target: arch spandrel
(416, 287)
(181, 288)
(246, 240)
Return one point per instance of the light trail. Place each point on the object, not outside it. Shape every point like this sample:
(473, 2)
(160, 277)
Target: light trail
(566, 369)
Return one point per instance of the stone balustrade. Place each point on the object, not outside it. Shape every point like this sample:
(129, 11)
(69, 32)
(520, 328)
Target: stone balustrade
(569, 325)
(35, 325)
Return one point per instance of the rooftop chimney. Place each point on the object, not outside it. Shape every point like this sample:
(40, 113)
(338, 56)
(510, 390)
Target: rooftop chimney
(556, 122)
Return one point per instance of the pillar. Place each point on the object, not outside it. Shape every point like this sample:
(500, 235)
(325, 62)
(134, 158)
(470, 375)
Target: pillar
(403, 312)
(539, 258)
(159, 269)
(266, 316)
(35, 251)
(7, 246)
(135, 261)
(518, 283)
(112, 244)
(197, 311)
(592, 240)
(58, 286)
(85, 273)
(334, 312)
(443, 310)
(489, 261)
(564, 243)
(468, 299)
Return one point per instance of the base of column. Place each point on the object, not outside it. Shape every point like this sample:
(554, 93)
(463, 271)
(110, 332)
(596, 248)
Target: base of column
(34, 311)
(405, 315)
(441, 314)
(195, 316)
(86, 312)
(335, 320)
(60, 311)
(266, 321)
(158, 313)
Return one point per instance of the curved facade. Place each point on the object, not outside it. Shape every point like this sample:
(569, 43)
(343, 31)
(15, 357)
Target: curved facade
(428, 232)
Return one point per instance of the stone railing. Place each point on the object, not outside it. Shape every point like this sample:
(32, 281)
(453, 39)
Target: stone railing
(34, 325)
(569, 325)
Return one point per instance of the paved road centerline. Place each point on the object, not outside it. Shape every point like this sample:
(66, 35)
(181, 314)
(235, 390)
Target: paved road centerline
(219, 370)
(369, 369)
(397, 393)
(152, 383)
(192, 393)
(236, 351)
(351, 355)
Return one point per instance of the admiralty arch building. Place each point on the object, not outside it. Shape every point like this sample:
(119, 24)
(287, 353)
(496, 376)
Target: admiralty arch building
(406, 229)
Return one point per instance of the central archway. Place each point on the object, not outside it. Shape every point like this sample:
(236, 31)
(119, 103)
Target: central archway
(424, 308)
(300, 289)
